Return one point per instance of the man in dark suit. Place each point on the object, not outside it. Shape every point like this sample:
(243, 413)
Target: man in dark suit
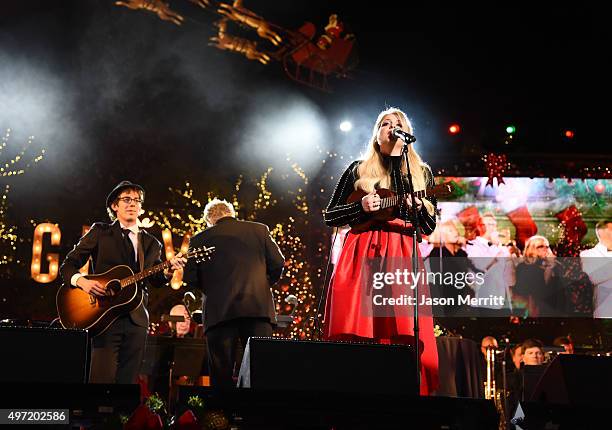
(117, 352)
(236, 282)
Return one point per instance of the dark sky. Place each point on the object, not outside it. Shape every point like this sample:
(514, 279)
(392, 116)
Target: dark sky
(113, 93)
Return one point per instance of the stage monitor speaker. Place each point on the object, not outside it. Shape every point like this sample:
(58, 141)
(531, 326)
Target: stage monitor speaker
(575, 380)
(291, 409)
(282, 364)
(43, 355)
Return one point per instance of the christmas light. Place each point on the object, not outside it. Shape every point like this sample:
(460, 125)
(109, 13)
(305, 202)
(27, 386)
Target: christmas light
(177, 277)
(297, 280)
(53, 258)
(11, 167)
(454, 129)
(8, 236)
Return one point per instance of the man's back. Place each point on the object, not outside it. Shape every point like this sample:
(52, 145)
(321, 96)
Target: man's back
(237, 279)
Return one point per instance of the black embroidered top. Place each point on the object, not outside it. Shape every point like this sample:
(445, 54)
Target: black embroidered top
(339, 212)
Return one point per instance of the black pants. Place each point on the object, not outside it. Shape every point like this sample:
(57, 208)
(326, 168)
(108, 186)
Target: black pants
(221, 340)
(117, 353)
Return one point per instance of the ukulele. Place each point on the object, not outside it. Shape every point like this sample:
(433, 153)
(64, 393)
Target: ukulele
(389, 201)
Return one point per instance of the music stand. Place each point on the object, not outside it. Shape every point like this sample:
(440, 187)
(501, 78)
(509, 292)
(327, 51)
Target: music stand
(531, 376)
(284, 320)
(172, 319)
(178, 355)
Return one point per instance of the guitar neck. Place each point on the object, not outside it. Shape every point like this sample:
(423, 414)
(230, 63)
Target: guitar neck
(388, 202)
(145, 274)
(199, 253)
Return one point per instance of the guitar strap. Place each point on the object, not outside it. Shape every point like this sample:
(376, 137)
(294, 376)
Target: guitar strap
(140, 251)
(141, 265)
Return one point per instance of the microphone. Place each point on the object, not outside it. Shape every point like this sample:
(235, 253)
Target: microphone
(401, 134)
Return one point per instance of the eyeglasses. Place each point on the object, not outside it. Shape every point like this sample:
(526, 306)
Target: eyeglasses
(129, 200)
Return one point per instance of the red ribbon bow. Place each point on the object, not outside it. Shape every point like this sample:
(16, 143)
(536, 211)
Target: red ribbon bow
(496, 167)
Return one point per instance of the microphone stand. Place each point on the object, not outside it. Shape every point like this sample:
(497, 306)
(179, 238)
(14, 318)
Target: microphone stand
(442, 242)
(326, 281)
(505, 385)
(416, 238)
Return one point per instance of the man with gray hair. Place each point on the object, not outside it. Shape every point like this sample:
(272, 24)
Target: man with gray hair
(237, 284)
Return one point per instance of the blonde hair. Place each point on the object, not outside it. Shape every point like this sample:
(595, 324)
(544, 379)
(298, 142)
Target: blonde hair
(375, 168)
(437, 235)
(530, 252)
(217, 209)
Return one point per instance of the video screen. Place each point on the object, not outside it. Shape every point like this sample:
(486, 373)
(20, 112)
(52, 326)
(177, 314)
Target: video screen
(531, 247)
(528, 248)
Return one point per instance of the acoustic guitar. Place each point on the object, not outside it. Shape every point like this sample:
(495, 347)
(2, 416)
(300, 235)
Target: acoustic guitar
(389, 201)
(78, 309)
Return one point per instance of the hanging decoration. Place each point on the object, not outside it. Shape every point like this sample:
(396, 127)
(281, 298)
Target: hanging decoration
(243, 46)
(472, 222)
(525, 165)
(158, 7)
(523, 223)
(305, 57)
(496, 166)
(242, 16)
(573, 226)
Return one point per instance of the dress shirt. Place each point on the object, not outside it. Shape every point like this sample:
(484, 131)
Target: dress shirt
(133, 237)
(600, 272)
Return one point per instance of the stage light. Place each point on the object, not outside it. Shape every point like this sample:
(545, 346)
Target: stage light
(454, 129)
(346, 126)
(510, 129)
(282, 128)
(569, 134)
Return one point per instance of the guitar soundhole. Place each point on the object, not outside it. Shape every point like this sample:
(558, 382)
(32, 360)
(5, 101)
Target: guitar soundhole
(113, 288)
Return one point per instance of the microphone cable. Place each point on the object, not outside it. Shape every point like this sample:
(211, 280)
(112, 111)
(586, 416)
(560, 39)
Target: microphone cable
(317, 321)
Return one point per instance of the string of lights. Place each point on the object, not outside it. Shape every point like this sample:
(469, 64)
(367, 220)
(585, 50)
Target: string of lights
(182, 218)
(10, 167)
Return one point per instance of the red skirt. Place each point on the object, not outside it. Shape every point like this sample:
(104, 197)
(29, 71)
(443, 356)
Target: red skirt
(356, 306)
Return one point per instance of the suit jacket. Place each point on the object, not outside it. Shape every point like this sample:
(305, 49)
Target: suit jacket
(105, 244)
(237, 279)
